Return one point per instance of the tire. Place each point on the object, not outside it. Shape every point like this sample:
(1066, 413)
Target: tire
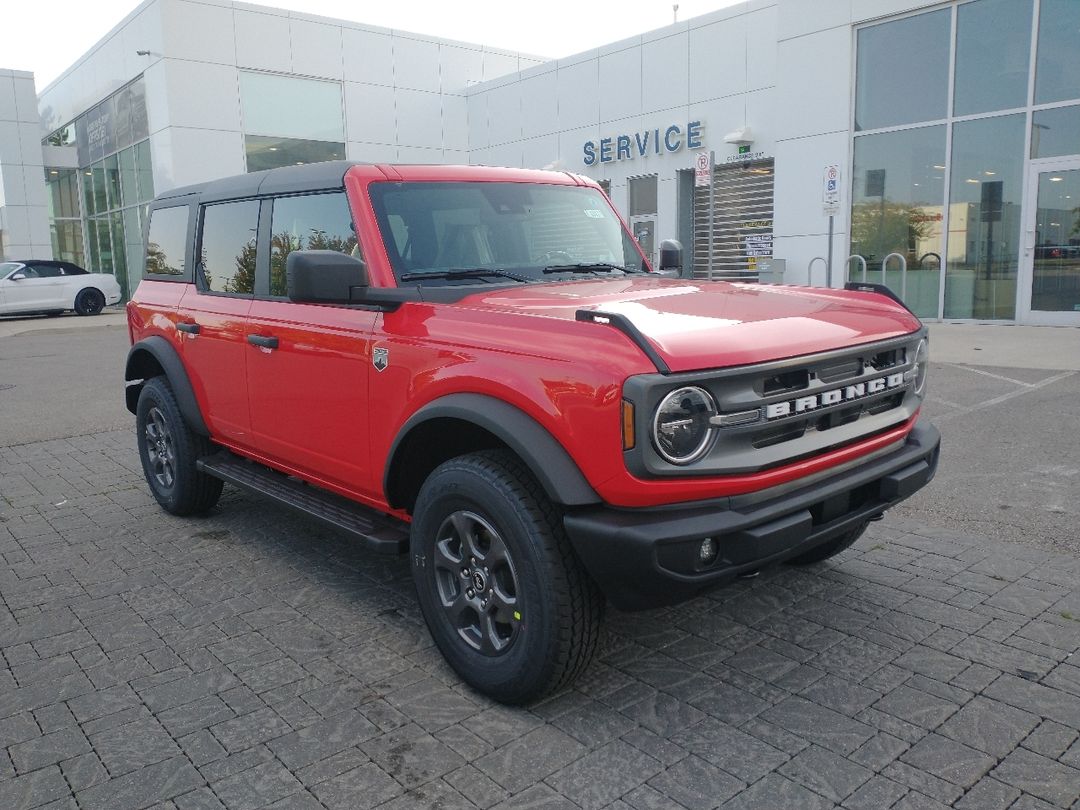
(831, 548)
(168, 449)
(89, 301)
(544, 609)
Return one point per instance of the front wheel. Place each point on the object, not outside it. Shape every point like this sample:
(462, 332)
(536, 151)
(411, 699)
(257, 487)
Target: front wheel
(89, 302)
(169, 450)
(502, 593)
(831, 548)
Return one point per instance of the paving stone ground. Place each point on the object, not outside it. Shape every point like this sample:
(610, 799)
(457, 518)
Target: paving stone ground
(253, 659)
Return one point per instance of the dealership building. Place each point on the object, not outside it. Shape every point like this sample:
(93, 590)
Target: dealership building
(940, 141)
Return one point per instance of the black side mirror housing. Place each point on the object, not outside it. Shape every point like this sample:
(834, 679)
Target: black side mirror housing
(324, 277)
(671, 257)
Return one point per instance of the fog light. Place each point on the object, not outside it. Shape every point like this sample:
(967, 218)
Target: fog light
(707, 552)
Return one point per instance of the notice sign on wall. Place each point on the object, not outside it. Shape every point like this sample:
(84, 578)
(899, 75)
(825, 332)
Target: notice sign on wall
(758, 245)
(703, 169)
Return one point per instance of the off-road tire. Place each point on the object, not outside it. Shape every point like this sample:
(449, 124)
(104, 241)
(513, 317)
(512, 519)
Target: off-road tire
(185, 490)
(831, 548)
(89, 301)
(560, 607)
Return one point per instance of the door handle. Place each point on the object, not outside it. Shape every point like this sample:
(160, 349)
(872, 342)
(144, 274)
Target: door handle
(189, 328)
(263, 341)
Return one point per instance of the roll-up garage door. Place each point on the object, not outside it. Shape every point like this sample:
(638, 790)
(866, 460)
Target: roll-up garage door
(741, 222)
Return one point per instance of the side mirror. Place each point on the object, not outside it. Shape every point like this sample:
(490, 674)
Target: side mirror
(324, 277)
(17, 276)
(671, 262)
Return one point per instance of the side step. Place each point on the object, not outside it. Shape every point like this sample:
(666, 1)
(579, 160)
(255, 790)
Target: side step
(378, 532)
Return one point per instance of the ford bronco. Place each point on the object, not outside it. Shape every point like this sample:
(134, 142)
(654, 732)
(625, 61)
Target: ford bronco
(477, 367)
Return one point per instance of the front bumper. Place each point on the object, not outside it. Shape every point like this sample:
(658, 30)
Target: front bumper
(644, 558)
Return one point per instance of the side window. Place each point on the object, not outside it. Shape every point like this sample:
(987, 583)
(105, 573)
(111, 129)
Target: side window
(227, 246)
(48, 271)
(309, 222)
(165, 242)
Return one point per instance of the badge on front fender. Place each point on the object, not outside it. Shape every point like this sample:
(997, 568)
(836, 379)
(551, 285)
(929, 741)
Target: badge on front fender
(380, 358)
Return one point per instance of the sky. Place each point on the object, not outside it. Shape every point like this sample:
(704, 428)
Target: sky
(47, 37)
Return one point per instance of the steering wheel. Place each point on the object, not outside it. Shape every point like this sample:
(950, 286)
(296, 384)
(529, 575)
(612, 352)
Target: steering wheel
(552, 257)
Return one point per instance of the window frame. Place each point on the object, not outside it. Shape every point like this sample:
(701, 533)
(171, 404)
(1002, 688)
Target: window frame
(199, 273)
(188, 276)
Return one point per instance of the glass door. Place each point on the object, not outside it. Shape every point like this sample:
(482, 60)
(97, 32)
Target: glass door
(1052, 244)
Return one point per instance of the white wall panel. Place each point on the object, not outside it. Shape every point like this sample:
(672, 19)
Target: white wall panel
(368, 56)
(477, 110)
(665, 73)
(498, 64)
(369, 113)
(455, 116)
(25, 100)
(316, 49)
(419, 119)
(504, 113)
(30, 137)
(38, 219)
(460, 67)
(579, 94)
(795, 19)
(419, 154)
(718, 56)
(199, 155)
(540, 113)
(800, 164)
(12, 184)
(8, 109)
(761, 48)
(416, 64)
(542, 153)
(262, 41)
(620, 84)
(371, 152)
(198, 31)
(814, 90)
(203, 95)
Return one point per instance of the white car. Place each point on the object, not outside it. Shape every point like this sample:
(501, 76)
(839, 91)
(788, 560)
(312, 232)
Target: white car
(39, 285)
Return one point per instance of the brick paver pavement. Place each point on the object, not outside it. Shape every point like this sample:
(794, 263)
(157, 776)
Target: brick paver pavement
(251, 659)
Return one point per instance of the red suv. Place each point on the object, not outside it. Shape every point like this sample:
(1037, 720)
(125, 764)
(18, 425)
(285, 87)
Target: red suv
(478, 367)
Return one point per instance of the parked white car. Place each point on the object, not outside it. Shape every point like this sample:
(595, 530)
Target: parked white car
(39, 285)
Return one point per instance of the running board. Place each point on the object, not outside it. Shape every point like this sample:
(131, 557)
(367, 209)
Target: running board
(377, 532)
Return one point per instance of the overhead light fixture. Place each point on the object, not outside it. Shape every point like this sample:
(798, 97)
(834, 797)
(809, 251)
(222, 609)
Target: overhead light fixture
(972, 180)
(989, 174)
(936, 166)
(1056, 179)
(273, 148)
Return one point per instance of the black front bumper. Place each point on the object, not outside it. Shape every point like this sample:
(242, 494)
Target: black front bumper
(643, 558)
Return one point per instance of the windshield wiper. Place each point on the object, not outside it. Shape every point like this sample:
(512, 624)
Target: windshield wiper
(463, 272)
(585, 267)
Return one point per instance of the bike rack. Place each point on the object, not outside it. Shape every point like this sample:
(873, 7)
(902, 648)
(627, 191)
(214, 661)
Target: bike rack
(810, 270)
(862, 261)
(903, 273)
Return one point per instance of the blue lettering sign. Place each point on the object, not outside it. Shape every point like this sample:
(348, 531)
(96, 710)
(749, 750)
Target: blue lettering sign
(590, 153)
(642, 143)
(672, 130)
(693, 135)
(622, 147)
(605, 150)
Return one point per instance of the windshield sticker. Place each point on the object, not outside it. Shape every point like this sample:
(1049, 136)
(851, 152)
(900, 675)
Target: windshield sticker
(595, 213)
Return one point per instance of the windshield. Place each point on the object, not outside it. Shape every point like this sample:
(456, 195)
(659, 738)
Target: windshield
(9, 267)
(500, 232)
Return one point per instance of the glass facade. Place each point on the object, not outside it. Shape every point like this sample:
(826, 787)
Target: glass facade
(940, 166)
(289, 120)
(96, 212)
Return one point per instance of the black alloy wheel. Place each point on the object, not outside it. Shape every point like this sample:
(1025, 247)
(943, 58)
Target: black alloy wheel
(89, 302)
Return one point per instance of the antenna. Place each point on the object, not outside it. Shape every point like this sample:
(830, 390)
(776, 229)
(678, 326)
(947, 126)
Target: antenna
(675, 12)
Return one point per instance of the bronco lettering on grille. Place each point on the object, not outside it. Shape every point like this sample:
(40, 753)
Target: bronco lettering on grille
(855, 391)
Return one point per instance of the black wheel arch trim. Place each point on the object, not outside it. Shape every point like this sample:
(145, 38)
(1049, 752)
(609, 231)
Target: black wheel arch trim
(546, 458)
(167, 357)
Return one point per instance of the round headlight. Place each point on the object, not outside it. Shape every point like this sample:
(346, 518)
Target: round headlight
(681, 429)
(922, 365)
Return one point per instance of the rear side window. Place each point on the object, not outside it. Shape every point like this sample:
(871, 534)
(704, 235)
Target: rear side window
(48, 270)
(227, 246)
(308, 222)
(166, 242)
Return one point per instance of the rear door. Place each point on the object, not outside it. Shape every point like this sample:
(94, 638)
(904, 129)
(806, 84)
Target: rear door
(307, 382)
(213, 316)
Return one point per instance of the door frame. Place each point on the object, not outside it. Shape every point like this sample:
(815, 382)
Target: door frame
(1026, 275)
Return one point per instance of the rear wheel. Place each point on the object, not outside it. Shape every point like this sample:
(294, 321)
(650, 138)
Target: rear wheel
(831, 548)
(506, 600)
(89, 301)
(169, 450)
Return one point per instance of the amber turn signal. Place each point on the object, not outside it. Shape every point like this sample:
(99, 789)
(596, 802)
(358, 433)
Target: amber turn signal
(628, 436)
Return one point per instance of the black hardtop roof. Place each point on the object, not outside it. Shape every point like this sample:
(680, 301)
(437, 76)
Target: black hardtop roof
(309, 177)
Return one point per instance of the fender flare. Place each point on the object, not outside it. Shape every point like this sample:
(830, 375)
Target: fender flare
(553, 467)
(169, 360)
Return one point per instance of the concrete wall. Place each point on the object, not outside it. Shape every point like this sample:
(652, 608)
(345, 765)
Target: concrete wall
(24, 220)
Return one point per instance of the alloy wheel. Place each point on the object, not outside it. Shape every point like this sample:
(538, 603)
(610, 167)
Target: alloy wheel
(159, 448)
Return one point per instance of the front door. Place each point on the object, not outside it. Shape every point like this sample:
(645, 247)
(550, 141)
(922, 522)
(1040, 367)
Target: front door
(1051, 262)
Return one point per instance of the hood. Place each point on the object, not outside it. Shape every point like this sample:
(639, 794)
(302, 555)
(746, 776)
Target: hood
(694, 325)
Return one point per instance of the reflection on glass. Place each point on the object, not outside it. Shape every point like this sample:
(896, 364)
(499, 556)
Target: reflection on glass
(993, 44)
(291, 107)
(227, 246)
(128, 182)
(270, 153)
(1055, 132)
(898, 195)
(144, 171)
(88, 190)
(67, 241)
(1055, 282)
(112, 181)
(119, 251)
(902, 74)
(312, 222)
(166, 242)
(642, 192)
(984, 218)
(101, 197)
(1057, 64)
